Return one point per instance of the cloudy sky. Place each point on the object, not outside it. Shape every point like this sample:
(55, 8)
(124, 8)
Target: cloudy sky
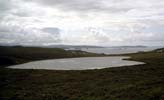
(87, 22)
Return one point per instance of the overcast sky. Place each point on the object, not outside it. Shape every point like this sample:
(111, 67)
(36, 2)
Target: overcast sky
(87, 22)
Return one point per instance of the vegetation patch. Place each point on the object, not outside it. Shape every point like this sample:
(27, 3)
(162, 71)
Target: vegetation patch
(139, 82)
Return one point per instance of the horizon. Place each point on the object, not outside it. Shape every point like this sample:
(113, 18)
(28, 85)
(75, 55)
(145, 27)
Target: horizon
(67, 45)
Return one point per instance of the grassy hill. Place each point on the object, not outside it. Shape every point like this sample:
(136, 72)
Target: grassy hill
(19, 54)
(159, 50)
(139, 82)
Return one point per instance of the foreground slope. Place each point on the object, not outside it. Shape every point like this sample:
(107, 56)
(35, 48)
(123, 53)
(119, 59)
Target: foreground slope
(140, 82)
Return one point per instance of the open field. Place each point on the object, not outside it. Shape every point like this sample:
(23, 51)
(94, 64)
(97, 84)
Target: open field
(139, 82)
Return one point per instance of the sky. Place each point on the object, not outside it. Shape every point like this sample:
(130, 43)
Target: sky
(82, 22)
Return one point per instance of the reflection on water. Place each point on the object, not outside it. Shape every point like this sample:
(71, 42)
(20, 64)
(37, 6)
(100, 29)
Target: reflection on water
(78, 63)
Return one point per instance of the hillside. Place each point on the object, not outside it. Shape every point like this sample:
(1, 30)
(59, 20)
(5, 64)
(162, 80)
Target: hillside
(17, 54)
(159, 50)
(139, 82)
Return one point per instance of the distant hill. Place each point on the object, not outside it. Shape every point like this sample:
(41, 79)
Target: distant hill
(73, 46)
(137, 46)
(159, 50)
(58, 46)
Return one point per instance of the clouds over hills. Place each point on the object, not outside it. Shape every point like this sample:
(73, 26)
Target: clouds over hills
(100, 22)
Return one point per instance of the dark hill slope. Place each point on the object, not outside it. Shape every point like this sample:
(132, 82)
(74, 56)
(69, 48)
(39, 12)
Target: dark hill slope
(18, 54)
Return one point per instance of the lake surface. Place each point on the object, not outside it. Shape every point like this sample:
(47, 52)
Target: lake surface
(78, 63)
(118, 50)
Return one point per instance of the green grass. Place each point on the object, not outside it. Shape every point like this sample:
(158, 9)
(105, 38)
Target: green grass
(139, 82)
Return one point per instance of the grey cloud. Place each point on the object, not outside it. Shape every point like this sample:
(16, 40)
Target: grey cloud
(147, 31)
(14, 28)
(52, 30)
(5, 5)
(21, 14)
(15, 8)
(85, 5)
(32, 36)
(108, 6)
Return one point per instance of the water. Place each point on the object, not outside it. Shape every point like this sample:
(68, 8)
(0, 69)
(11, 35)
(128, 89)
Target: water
(78, 63)
(118, 50)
